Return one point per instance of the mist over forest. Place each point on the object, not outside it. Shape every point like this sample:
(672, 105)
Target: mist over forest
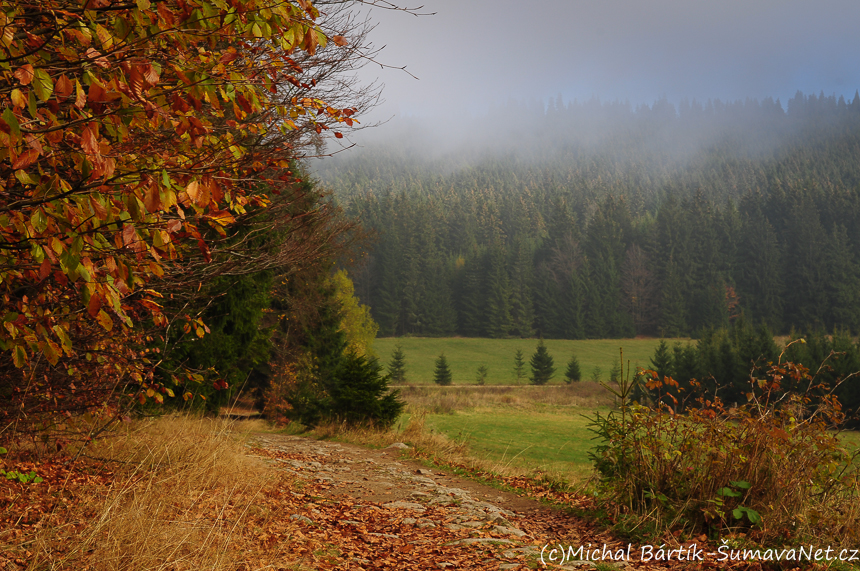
(603, 219)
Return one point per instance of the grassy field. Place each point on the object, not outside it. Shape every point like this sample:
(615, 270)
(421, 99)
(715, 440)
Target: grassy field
(465, 355)
(551, 441)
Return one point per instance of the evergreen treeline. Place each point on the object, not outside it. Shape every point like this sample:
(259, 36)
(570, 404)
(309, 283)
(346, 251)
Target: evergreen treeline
(649, 221)
(726, 361)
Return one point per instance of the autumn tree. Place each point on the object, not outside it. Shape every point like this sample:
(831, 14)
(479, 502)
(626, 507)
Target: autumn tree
(136, 140)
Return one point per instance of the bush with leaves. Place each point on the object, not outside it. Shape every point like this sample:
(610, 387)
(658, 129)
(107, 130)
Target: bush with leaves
(771, 468)
(133, 136)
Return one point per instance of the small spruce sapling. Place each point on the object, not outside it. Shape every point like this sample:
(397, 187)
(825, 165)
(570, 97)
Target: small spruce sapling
(519, 366)
(542, 365)
(573, 374)
(397, 366)
(481, 378)
(442, 375)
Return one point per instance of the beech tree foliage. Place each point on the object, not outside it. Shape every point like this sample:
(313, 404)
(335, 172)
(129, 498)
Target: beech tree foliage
(135, 137)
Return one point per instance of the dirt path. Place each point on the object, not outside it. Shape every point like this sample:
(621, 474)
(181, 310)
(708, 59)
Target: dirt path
(400, 514)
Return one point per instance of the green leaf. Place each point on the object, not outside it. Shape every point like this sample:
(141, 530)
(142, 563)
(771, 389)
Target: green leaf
(39, 220)
(32, 107)
(741, 484)
(3, 450)
(43, 85)
(24, 178)
(19, 356)
(10, 119)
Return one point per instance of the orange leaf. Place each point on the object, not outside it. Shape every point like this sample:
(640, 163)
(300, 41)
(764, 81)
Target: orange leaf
(193, 190)
(100, 210)
(45, 269)
(63, 87)
(89, 142)
(94, 305)
(24, 74)
(152, 199)
(25, 159)
(150, 74)
(128, 235)
(339, 40)
(80, 96)
(96, 94)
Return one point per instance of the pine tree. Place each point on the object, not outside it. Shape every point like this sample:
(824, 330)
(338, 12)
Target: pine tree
(481, 377)
(442, 375)
(519, 365)
(573, 373)
(397, 366)
(662, 361)
(542, 365)
(359, 394)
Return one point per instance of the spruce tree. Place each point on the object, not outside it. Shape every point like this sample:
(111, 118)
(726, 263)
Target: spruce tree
(519, 365)
(542, 365)
(481, 377)
(442, 375)
(359, 395)
(662, 361)
(573, 373)
(397, 365)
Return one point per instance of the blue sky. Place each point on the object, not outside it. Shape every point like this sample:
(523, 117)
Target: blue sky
(476, 54)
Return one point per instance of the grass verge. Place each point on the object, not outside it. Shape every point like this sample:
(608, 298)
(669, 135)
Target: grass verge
(171, 493)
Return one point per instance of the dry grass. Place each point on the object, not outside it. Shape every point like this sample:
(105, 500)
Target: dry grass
(445, 400)
(179, 493)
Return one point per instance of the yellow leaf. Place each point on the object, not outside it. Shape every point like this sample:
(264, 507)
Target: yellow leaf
(104, 320)
(193, 190)
(18, 99)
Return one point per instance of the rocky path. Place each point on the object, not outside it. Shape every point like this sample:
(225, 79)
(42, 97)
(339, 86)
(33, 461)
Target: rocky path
(392, 512)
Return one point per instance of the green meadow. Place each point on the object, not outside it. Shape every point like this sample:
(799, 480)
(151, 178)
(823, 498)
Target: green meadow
(552, 441)
(596, 356)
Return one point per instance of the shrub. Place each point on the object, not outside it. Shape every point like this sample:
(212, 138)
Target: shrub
(481, 377)
(771, 467)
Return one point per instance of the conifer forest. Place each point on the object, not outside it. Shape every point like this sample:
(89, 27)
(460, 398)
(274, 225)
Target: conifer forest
(599, 220)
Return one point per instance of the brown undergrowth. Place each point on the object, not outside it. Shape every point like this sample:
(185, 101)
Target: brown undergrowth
(446, 400)
(171, 493)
